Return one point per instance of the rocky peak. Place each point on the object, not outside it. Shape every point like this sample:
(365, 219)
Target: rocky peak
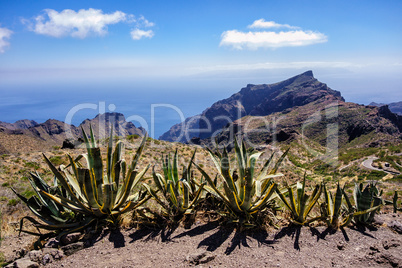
(102, 122)
(255, 100)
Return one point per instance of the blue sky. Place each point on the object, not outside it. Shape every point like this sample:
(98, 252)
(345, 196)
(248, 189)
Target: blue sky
(94, 49)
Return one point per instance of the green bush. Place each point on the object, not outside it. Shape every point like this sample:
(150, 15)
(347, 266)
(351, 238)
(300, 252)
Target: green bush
(56, 160)
(12, 202)
(33, 165)
(133, 137)
(376, 175)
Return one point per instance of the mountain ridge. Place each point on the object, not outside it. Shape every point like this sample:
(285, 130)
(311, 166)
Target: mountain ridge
(254, 100)
(53, 132)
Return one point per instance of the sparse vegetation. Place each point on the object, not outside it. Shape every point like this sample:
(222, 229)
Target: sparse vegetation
(179, 193)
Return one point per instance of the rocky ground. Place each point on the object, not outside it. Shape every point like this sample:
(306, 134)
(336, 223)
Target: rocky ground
(209, 245)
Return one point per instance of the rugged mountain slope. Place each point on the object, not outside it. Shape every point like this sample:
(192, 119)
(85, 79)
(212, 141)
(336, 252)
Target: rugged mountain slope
(328, 123)
(34, 136)
(395, 107)
(254, 100)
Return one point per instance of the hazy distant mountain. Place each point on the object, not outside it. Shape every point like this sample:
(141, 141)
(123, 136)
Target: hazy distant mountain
(34, 136)
(253, 100)
(20, 124)
(395, 107)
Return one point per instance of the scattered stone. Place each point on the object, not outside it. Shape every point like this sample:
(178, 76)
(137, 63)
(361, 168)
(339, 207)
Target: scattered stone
(391, 244)
(52, 243)
(35, 255)
(46, 259)
(21, 253)
(55, 253)
(340, 245)
(388, 258)
(70, 238)
(72, 248)
(396, 226)
(374, 248)
(24, 263)
(199, 257)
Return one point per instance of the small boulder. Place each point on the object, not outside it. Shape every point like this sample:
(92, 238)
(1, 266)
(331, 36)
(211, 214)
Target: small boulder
(52, 243)
(25, 263)
(72, 248)
(70, 238)
(199, 257)
(55, 253)
(35, 255)
(396, 226)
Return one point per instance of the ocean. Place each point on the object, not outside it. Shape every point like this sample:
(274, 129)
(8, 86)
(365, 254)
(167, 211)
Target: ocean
(153, 107)
(158, 104)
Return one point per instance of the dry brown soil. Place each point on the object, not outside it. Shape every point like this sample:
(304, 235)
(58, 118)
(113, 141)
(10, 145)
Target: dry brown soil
(209, 245)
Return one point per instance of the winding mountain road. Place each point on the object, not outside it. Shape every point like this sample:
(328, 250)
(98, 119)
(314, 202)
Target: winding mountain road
(368, 163)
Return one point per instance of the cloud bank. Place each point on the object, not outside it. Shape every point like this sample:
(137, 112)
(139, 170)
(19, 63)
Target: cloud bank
(4, 34)
(81, 23)
(270, 39)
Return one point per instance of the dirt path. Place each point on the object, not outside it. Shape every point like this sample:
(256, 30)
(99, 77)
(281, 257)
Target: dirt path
(212, 246)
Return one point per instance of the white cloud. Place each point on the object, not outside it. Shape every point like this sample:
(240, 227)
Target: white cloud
(270, 39)
(4, 34)
(261, 23)
(77, 24)
(137, 34)
(83, 23)
(141, 21)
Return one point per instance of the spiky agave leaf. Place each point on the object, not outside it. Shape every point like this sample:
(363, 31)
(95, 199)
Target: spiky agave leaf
(243, 192)
(301, 204)
(176, 194)
(368, 201)
(91, 191)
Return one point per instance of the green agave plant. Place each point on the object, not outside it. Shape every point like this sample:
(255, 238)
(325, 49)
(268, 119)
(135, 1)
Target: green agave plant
(368, 198)
(301, 204)
(101, 193)
(244, 193)
(52, 216)
(394, 202)
(177, 195)
(335, 213)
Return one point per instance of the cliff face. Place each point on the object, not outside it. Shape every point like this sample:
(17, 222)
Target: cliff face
(254, 100)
